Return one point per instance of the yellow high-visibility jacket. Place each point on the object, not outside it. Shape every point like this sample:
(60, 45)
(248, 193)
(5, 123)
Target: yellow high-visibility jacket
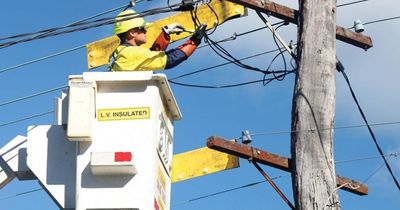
(136, 58)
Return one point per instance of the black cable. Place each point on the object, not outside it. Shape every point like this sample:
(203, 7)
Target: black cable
(218, 49)
(381, 20)
(222, 64)
(231, 85)
(350, 3)
(177, 77)
(85, 19)
(32, 95)
(280, 50)
(369, 128)
(226, 191)
(25, 118)
(215, 87)
(83, 25)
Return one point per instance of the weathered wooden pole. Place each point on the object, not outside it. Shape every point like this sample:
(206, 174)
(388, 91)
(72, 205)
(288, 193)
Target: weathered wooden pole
(314, 182)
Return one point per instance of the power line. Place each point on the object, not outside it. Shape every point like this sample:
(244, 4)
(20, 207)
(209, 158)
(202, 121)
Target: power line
(369, 128)
(321, 129)
(233, 37)
(375, 171)
(264, 80)
(382, 20)
(25, 118)
(378, 21)
(40, 59)
(68, 25)
(83, 25)
(395, 154)
(31, 96)
(225, 191)
(222, 64)
(20, 194)
(171, 80)
(350, 3)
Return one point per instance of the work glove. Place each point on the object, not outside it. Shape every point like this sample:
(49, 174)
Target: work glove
(173, 28)
(199, 34)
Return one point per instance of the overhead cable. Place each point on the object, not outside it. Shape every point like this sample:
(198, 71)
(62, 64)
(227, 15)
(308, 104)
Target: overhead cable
(32, 95)
(225, 191)
(378, 21)
(83, 46)
(369, 128)
(395, 154)
(375, 171)
(235, 35)
(350, 3)
(40, 59)
(322, 129)
(70, 24)
(83, 25)
(264, 80)
(177, 77)
(25, 118)
(259, 182)
(222, 64)
(20, 194)
(381, 20)
(70, 50)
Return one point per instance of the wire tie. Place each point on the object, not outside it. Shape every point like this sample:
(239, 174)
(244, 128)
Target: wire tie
(252, 155)
(234, 36)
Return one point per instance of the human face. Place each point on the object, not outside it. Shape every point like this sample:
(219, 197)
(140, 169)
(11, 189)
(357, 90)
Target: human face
(138, 35)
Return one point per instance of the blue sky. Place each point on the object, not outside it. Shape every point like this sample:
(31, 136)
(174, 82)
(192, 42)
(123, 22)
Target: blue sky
(224, 112)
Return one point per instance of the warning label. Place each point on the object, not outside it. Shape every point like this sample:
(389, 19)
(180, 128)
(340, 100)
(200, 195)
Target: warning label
(132, 113)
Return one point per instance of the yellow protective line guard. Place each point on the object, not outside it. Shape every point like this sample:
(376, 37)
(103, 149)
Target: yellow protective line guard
(98, 52)
(201, 162)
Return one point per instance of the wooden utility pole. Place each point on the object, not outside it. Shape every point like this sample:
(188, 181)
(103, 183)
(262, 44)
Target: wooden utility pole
(314, 182)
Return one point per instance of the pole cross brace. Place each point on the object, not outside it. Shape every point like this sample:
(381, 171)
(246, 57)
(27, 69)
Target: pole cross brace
(276, 161)
(291, 15)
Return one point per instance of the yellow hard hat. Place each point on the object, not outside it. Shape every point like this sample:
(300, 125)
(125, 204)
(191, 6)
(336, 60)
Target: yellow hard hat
(124, 26)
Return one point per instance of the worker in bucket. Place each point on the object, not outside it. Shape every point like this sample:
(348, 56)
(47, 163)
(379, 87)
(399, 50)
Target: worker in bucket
(132, 56)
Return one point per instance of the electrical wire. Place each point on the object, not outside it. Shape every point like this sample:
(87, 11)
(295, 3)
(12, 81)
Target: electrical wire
(202, 46)
(225, 191)
(375, 171)
(395, 154)
(70, 24)
(177, 77)
(83, 46)
(369, 129)
(32, 95)
(382, 20)
(223, 53)
(41, 59)
(378, 21)
(350, 3)
(235, 35)
(218, 49)
(264, 80)
(84, 25)
(274, 178)
(321, 129)
(222, 64)
(25, 118)
(20, 194)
